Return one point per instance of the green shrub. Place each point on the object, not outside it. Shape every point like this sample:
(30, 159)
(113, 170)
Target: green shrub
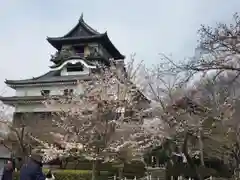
(135, 168)
(72, 175)
(130, 170)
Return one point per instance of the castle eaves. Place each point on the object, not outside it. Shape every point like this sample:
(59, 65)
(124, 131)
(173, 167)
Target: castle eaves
(48, 78)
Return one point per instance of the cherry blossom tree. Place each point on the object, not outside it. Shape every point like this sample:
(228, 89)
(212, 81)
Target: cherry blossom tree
(100, 123)
(230, 139)
(185, 115)
(216, 60)
(217, 56)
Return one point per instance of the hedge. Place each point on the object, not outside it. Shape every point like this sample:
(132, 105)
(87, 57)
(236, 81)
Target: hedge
(45, 170)
(72, 175)
(136, 168)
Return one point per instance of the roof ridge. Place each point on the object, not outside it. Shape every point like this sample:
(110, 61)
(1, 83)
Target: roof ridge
(81, 37)
(81, 17)
(34, 78)
(89, 27)
(38, 77)
(84, 24)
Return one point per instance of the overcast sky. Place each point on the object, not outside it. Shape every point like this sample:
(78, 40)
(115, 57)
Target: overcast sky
(134, 26)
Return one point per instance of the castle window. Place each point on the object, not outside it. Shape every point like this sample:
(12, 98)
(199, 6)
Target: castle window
(68, 92)
(75, 67)
(45, 92)
(44, 115)
(79, 50)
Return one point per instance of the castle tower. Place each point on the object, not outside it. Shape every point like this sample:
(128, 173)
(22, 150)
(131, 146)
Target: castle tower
(79, 52)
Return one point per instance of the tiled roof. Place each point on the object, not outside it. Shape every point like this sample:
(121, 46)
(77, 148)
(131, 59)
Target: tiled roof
(83, 33)
(49, 77)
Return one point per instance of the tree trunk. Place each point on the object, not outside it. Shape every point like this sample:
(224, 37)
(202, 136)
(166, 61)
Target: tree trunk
(98, 171)
(120, 171)
(189, 159)
(22, 158)
(168, 170)
(76, 164)
(65, 164)
(94, 169)
(201, 146)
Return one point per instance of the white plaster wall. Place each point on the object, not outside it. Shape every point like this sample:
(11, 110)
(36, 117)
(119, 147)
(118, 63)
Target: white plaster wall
(54, 90)
(39, 108)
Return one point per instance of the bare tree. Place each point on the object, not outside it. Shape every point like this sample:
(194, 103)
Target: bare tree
(216, 53)
(16, 138)
(218, 56)
(20, 140)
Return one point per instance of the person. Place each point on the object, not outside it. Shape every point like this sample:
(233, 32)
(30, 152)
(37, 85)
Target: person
(50, 176)
(8, 171)
(32, 170)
